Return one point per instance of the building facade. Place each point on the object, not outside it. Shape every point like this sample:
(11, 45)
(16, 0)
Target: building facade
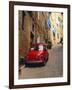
(39, 27)
(56, 27)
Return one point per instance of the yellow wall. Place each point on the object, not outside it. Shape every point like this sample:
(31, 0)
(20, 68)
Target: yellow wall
(55, 23)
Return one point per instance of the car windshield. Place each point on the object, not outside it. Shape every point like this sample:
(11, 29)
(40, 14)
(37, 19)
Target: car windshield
(37, 47)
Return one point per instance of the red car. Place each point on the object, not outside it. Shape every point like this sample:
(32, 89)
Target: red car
(37, 54)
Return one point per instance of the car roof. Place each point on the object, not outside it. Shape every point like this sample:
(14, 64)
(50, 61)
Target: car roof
(37, 44)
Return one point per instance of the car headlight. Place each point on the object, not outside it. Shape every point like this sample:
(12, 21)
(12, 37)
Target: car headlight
(41, 57)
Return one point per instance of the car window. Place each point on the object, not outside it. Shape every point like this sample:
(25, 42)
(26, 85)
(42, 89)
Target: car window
(37, 47)
(40, 47)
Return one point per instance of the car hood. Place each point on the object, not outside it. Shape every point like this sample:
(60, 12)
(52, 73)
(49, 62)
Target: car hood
(34, 54)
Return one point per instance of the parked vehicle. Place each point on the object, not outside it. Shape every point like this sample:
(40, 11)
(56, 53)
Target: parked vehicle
(61, 41)
(37, 54)
(49, 46)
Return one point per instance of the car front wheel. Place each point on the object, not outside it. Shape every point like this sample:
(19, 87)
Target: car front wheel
(45, 61)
